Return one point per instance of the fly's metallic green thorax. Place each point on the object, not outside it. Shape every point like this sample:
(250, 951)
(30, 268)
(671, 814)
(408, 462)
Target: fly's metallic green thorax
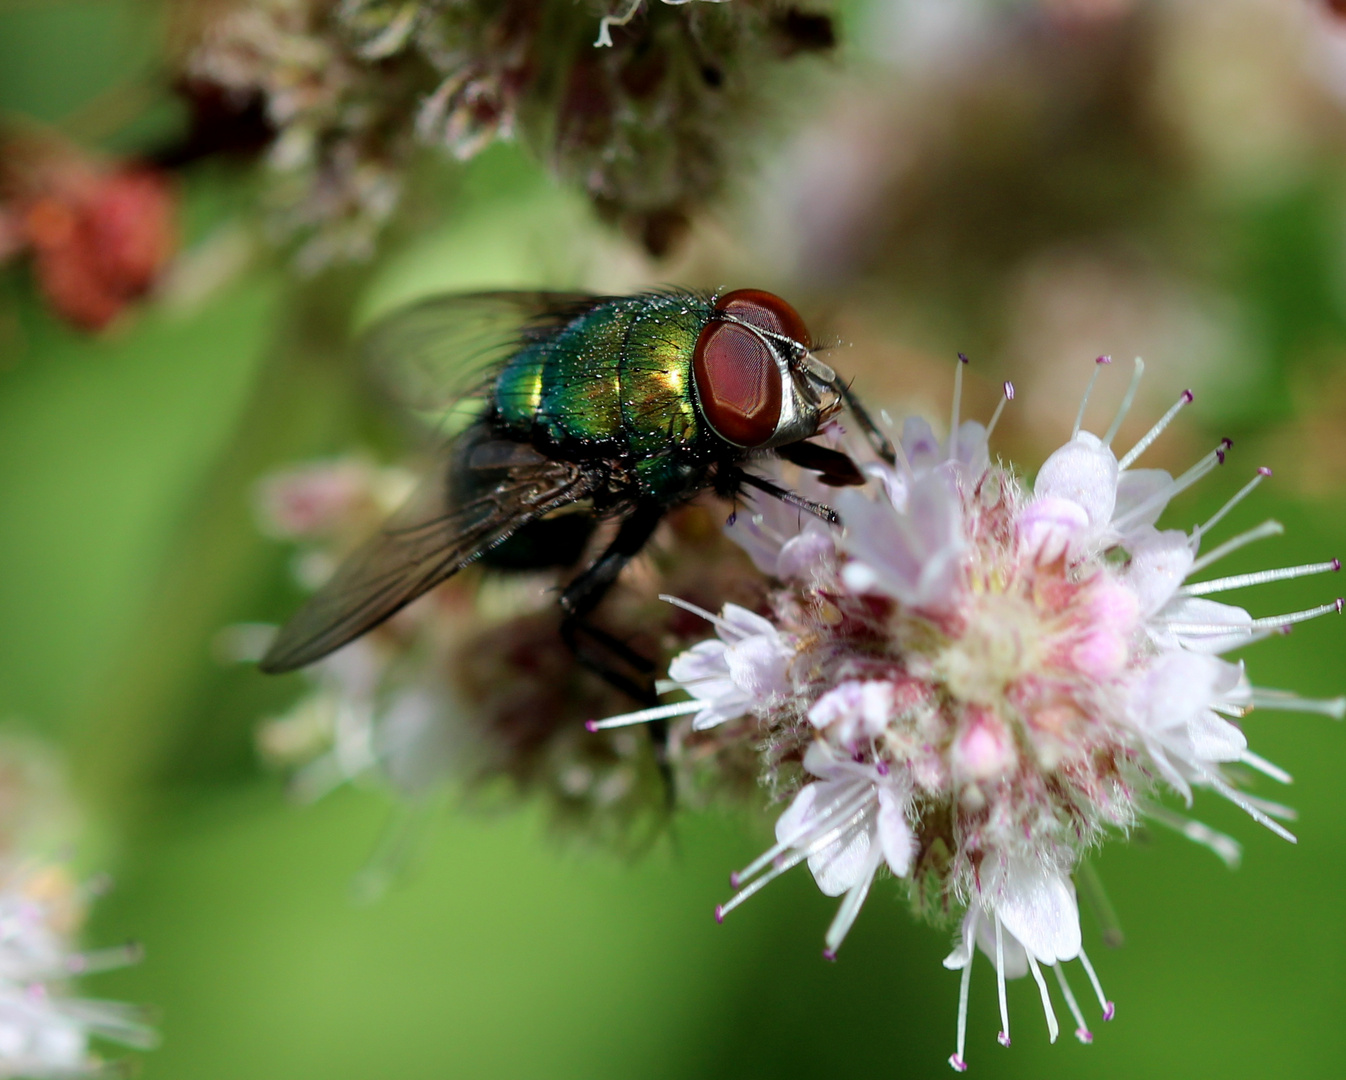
(617, 379)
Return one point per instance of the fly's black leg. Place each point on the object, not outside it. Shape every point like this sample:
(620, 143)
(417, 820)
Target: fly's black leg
(882, 445)
(583, 594)
(738, 477)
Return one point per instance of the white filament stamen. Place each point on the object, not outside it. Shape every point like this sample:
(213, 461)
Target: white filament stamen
(954, 416)
(1239, 496)
(1175, 487)
(964, 984)
(1288, 701)
(1000, 408)
(1271, 622)
(1146, 440)
(846, 807)
(1109, 1009)
(789, 863)
(846, 914)
(1226, 848)
(1053, 1028)
(1261, 532)
(1004, 1036)
(1082, 1031)
(644, 716)
(1125, 406)
(1265, 767)
(1079, 418)
(1246, 804)
(1261, 577)
(714, 620)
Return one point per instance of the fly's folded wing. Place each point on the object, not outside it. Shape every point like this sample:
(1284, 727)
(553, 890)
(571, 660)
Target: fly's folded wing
(427, 541)
(436, 357)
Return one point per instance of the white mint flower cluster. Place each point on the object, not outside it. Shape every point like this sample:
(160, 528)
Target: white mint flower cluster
(976, 681)
(45, 1031)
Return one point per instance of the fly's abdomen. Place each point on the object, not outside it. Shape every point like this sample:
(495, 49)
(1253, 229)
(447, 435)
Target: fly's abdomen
(658, 411)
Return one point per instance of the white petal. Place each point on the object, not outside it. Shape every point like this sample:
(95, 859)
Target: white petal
(915, 556)
(805, 555)
(1216, 739)
(798, 816)
(1196, 611)
(1160, 562)
(1136, 486)
(895, 836)
(967, 940)
(758, 666)
(845, 863)
(1016, 960)
(922, 449)
(1085, 472)
(1177, 688)
(1051, 525)
(972, 453)
(1038, 907)
(744, 623)
(704, 660)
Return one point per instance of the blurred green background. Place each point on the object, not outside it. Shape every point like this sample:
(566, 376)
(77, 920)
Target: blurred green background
(1039, 189)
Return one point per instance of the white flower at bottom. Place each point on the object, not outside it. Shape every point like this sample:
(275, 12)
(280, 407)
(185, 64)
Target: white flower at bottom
(1025, 918)
(44, 1031)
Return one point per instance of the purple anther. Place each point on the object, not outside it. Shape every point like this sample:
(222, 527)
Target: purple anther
(1340, 604)
(1286, 630)
(591, 726)
(959, 1065)
(1009, 396)
(1227, 442)
(1084, 1035)
(719, 913)
(1100, 360)
(881, 768)
(1262, 470)
(734, 880)
(963, 357)
(1188, 396)
(1109, 1011)
(1336, 564)
(1002, 1037)
(1219, 456)
(830, 955)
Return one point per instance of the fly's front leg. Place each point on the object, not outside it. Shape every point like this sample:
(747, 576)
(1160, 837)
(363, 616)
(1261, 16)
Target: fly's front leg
(882, 445)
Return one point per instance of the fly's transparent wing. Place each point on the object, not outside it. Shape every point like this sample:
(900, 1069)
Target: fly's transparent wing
(427, 541)
(436, 356)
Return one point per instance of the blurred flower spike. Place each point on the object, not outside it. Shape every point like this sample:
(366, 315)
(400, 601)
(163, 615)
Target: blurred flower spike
(348, 90)
(977, 681)
(99, 233)
(44, 1030)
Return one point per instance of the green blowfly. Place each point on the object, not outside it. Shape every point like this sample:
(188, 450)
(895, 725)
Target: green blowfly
(578, 409)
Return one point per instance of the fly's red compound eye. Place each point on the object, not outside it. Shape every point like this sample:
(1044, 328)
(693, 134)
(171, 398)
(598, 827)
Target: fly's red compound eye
(766, 311)
(738, 378)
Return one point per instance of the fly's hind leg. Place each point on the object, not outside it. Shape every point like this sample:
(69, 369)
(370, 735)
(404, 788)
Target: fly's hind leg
(600, 651)
(595, 648)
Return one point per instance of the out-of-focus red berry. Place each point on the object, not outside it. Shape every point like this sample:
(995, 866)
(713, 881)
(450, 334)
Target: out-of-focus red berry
(99, 243)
